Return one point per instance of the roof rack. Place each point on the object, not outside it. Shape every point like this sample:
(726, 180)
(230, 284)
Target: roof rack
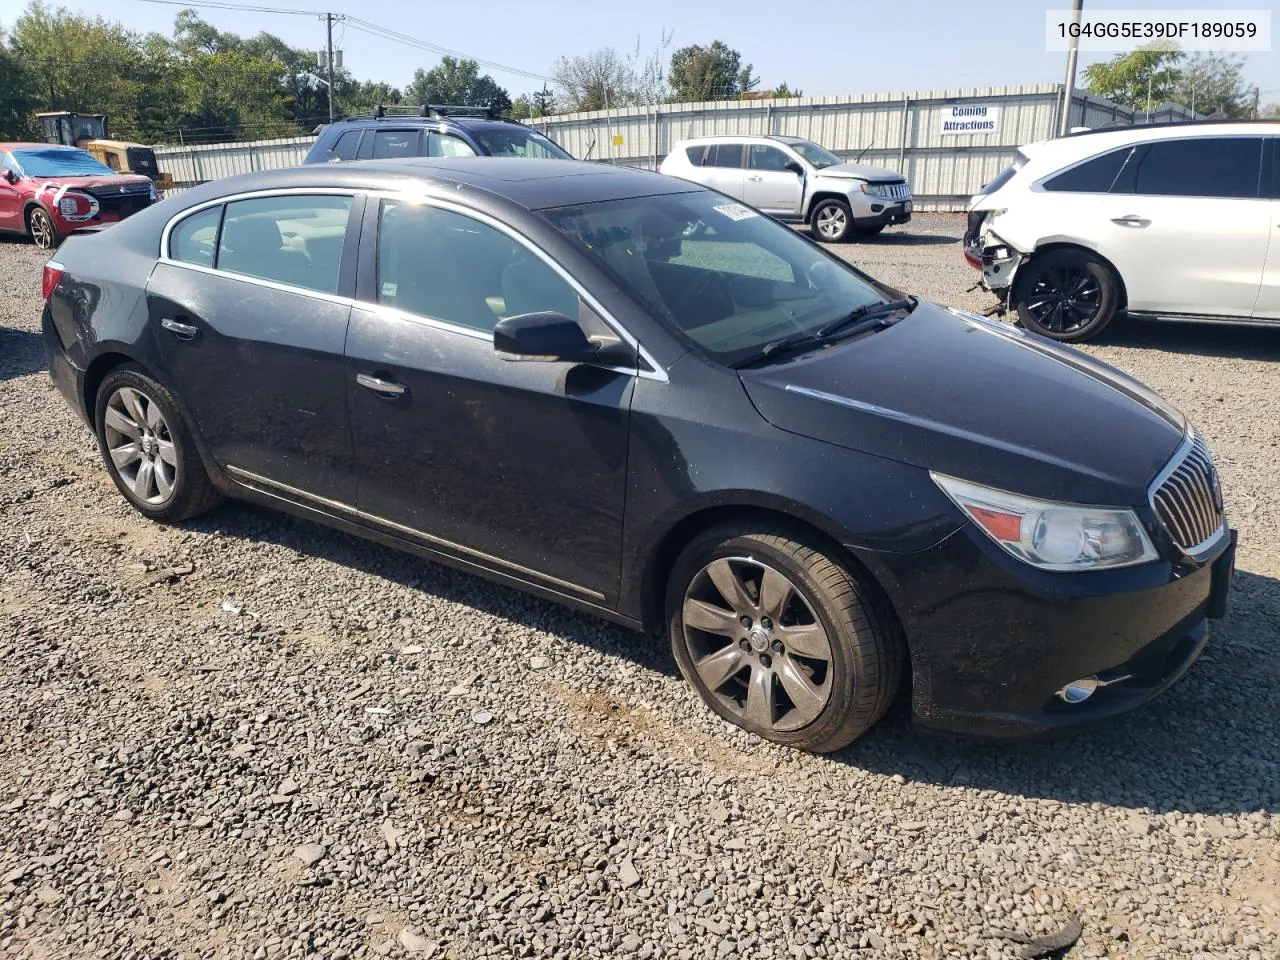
(442, 110)
(1112, 127)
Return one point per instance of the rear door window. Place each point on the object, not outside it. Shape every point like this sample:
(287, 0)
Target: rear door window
(346, 146)
(724, 155)
(295, 240)
(195, 239)
(392, 144)
(1200, 167)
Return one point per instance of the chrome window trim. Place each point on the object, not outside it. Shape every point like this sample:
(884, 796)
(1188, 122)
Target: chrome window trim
(256, 481)
(657, 372)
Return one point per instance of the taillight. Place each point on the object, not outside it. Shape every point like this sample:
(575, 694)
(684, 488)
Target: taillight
(52, 274)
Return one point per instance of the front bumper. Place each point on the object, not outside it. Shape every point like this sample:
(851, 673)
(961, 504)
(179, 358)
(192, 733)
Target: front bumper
(992, 640)
(877, 213)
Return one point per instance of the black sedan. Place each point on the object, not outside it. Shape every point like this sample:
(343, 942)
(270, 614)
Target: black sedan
(634, 395)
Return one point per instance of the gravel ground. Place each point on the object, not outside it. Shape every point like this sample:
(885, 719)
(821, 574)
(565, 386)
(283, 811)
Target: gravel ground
(252, 737)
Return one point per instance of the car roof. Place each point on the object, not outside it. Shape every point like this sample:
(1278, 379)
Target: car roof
(738, 138)
(1088, 143)
(533, 184)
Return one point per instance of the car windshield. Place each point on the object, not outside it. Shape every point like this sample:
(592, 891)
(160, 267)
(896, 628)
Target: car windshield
(516, 142)
(730, 279)
(818, 156)
(59, 162)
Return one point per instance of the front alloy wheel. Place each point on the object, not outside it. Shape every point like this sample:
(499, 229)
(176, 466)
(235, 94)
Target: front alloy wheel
(832, 221)
(43, 233)
(757, 645)
(1067, 295)
(781, 639)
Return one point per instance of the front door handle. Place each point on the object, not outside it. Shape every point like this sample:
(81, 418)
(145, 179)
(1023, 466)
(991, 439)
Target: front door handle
(183, 331)
(1131, 220)
(378, 385)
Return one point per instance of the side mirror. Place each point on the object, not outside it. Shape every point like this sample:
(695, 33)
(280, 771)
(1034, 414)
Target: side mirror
(10, 176)
(550, 336)
(794, 167)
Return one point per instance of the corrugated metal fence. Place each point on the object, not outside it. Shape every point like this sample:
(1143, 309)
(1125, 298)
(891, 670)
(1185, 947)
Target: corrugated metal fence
(913, 133)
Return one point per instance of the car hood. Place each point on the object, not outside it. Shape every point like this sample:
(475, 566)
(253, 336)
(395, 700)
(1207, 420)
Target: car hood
(103, 182)
(977, 399)
(860, 171)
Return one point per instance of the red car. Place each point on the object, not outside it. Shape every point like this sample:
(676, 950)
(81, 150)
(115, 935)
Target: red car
(49, 191)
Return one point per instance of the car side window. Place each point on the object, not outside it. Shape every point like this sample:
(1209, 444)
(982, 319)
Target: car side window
(8, 163)
(444, 145)
(1093, 176)
(446, 266)
(695, 154)
(390, 144)
(295, 240)
(113, 161)
(346, 146)
(1200, 167)
(724, 155)
(765, 157)
(195, 239)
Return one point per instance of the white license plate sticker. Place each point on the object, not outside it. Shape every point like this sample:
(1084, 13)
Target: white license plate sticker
(736, 211)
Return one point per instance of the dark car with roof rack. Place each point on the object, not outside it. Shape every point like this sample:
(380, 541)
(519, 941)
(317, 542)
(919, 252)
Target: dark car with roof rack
(431, 130)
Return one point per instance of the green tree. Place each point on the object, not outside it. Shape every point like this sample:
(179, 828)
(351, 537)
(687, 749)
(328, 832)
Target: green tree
(17, 100)
(540, 103)
(782, 90)
(1214, 83)
(457, 81)
(1148, 75)
(709, 73)
(363, 96)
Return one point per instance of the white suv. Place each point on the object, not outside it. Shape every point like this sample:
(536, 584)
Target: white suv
(796, 181)
(1167, 221)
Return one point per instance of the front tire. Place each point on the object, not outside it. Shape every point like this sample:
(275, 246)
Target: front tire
(1066, 295)
(147, 448)
(43, 233)
(780, 639)
(832, 221)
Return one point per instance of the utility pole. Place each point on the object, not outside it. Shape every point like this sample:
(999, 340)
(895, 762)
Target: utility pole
(1069, 87)
(1254, 112)
(328, 32)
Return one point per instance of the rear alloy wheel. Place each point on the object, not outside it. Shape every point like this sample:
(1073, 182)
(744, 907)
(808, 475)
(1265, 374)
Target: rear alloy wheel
(1066, 295)
(43, 233)
(781, 640)
(148, 450)
(832, 221)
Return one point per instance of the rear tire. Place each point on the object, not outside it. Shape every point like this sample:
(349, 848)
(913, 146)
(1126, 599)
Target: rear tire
(41, 229)
(1066, 295)
(819, 663)
(147, 448)
(831, 221)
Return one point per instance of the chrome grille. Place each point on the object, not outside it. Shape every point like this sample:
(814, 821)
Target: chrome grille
(1188, 499)
(894, 191)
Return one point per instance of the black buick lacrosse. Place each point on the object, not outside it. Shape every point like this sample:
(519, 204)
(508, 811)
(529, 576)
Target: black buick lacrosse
(639, 397)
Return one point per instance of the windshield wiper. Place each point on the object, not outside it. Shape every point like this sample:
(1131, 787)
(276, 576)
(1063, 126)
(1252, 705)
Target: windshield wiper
(867, 317)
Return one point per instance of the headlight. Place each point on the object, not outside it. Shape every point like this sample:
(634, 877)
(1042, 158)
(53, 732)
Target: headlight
(77, 206)
(1052, 536)
(874, 189)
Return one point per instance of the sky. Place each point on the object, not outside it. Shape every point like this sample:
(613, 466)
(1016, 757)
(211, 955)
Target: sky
(857, 46)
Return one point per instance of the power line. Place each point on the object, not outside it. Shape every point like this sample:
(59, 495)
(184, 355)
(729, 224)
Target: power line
(243, 7)
(373, 29)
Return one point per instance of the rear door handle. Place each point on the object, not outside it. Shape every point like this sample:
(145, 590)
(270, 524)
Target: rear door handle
(378, 385)
(1132, 220)
(183, 331)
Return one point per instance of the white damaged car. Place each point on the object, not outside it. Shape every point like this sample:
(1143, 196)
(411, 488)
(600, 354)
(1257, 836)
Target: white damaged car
(1163, 221)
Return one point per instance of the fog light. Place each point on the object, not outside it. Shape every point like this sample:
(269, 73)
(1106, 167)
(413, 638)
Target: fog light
(1078, 691)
